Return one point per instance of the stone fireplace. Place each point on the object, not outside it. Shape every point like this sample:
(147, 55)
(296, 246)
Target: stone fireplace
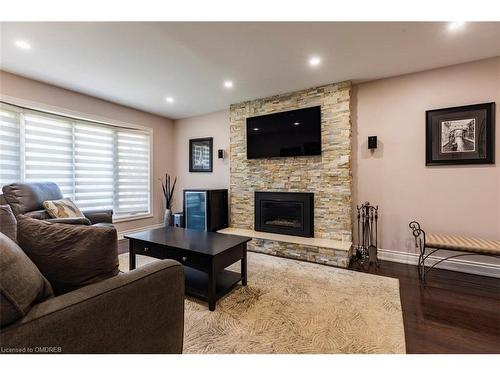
(327, 177)
(285, 213)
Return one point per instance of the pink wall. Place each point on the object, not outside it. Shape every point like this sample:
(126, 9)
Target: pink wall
(48, 95)
(449, 199)
(395, 176)
(214, 125)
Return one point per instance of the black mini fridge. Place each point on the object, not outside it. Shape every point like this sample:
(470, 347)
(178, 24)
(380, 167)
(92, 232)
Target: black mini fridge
(206, 209)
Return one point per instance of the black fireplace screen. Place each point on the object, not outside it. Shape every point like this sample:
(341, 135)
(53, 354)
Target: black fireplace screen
(285, 213)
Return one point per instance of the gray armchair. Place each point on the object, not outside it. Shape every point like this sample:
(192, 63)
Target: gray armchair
(27, 199)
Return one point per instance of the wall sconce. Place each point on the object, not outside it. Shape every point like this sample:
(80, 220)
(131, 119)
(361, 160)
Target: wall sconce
(220, 154)
(372, 142)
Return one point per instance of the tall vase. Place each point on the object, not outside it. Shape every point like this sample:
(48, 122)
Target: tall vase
(167, 218)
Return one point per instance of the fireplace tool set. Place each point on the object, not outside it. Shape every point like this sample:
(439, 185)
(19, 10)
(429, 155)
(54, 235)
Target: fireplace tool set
(366, 249)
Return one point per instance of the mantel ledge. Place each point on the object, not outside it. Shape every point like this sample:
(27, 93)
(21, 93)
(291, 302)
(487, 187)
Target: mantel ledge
(307, 241)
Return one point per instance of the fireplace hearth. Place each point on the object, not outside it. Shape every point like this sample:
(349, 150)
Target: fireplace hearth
(285, 213)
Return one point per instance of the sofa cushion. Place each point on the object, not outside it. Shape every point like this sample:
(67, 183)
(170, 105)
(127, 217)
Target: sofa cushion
(71, 220)
(62, 208)
(21, 283)
(461, 243)
(99, 216)
(25, 197)
(38, 214)
(8, 222)
(69, 256)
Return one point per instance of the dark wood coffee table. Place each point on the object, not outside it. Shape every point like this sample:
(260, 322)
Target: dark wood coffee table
(205, 255)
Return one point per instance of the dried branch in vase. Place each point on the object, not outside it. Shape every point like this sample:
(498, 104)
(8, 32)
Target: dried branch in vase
(168, 190)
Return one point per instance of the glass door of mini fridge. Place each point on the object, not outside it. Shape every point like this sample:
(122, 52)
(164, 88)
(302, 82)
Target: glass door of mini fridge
(196, 209)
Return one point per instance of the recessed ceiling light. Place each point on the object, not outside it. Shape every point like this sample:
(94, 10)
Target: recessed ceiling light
(255, 129)
(314, 61)
(22, 44)
(228, 84)
(456, 25)
(169, 99)
(296, 123)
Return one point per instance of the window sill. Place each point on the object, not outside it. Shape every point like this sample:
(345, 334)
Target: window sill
(124, 218)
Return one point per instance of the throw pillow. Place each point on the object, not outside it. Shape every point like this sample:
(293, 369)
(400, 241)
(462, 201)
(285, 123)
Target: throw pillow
(62, 208)
(21, 283)
(69, 256)
(8, 222)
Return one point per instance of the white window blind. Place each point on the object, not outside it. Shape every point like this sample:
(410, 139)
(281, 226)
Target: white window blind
(133, 161)
(10, 147)
(99, 166)
(49, 151)
(94, 166)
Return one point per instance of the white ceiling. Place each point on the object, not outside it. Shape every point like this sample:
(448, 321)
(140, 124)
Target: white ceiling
(139, 64)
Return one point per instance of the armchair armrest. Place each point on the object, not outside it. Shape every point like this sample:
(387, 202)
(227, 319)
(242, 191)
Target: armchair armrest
(99, 216)
(141, 311)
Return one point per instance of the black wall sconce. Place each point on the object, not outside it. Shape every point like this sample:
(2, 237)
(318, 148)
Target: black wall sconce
(220, 154)
(372, 142)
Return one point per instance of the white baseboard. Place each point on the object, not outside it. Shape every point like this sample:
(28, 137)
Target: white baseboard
(123, 233)
(461, 265)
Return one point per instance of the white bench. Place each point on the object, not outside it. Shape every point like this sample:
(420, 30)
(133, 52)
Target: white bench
(429, 243)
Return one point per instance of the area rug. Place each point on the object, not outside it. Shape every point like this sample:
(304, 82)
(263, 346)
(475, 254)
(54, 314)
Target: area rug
(291, 306)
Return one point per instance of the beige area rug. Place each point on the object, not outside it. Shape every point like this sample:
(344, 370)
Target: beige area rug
(291, 306)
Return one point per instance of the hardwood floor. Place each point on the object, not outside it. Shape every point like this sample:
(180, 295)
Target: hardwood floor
(453, 313)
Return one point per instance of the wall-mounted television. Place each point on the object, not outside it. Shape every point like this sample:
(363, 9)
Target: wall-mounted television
(291, 133)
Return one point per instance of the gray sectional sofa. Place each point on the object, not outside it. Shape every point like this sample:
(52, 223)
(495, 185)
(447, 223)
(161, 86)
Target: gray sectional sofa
(141, 311)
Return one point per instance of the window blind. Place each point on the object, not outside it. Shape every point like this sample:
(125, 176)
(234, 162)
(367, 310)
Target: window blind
(99, 166)
(49, 151)
(10, 146)
(132, 163)
(94, 166)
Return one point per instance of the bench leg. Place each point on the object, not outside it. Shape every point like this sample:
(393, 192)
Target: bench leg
(422, 270)
(419, 236)
(421, 265)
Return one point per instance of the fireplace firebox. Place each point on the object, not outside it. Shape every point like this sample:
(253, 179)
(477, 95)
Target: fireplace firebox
(285, 213)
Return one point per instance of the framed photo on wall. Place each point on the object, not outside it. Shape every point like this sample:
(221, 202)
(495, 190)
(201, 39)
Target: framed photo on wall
(200, 155)
(461, 135)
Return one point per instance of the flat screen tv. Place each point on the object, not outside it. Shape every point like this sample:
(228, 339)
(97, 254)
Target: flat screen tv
(291, 133)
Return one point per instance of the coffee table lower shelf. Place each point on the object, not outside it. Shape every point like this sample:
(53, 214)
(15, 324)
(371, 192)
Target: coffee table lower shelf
(197, 283)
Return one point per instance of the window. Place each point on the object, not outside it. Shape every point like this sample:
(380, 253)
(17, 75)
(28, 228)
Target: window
(99, 166)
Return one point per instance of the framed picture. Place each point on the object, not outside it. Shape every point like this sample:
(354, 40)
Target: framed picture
(200, 155)
(460, 135)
